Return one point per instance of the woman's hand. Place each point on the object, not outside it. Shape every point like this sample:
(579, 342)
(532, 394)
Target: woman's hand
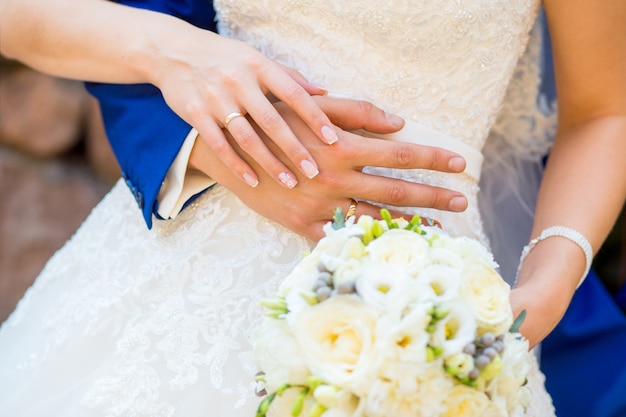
(210, 81)
(547, 282)
(308, 207)
(205, 78)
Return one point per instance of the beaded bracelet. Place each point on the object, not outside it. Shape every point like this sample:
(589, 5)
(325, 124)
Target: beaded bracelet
(565, 232)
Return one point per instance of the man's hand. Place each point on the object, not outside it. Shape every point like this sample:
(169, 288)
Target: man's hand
(307, 207)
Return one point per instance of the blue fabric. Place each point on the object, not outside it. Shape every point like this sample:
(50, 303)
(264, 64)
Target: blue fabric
(144, 132)
(584, 358)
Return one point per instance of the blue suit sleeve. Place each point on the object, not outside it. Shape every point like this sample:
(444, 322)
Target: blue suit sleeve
(144, 132)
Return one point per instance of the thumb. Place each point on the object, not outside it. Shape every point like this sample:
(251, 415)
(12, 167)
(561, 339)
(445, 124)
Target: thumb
(350, 114)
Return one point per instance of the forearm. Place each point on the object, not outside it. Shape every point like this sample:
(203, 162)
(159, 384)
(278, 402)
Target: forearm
(584, 188)
(89, 40)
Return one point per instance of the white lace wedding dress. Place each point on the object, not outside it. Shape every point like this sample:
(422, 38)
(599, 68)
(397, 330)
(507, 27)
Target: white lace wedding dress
(124, 321)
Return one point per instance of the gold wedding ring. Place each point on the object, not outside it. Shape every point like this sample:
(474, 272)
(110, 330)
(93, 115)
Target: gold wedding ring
(351, 209)
(231, 117)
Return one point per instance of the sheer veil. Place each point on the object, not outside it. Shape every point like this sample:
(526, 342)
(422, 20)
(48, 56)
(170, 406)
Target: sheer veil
(515, 152)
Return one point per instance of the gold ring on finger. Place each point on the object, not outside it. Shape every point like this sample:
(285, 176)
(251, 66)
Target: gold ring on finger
(232, 116)
(351, 209)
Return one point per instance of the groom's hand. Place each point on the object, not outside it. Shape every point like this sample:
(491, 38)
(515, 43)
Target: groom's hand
(307, 207)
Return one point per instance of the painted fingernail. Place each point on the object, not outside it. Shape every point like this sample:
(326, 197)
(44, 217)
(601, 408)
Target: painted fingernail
(309, 169)
(396, 121)
(250, 180)
(329, 135)
(323, 91)
(457, 204)
(288, 179)
(456, 164)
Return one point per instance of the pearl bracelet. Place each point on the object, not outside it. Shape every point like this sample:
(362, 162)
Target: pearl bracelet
(567, 233)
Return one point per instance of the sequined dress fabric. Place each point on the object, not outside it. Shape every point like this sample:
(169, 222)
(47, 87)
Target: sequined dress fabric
(124, 321)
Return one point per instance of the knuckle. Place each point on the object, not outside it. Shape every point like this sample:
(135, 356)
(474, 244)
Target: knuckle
(436, 159)
(396, 195)
(436, 199)
(367, 109)
(402, 157)
(194, 108)
(294, 93)
(329, 180)
(270, 120)
(245, 139)
(219, 147)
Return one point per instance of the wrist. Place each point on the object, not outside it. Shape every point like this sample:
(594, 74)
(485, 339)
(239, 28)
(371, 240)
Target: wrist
(158, 51)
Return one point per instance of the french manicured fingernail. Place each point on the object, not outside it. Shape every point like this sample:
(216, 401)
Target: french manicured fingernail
(250, 180)
(309, 169)
(329, 135)
(457, 204)
(456, 164)
(288, 179)
(397, 121)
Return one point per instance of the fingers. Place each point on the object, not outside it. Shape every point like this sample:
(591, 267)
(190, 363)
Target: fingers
(293, 95)
(394, 192)
(356, 114)
(402, 155)
(310, 88)
(274, 126)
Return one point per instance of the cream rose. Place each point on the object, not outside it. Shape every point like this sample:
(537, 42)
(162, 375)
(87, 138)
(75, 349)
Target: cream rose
(336, 339)
(401, 248)
(466, 248)
(408, 390)
(487, 294)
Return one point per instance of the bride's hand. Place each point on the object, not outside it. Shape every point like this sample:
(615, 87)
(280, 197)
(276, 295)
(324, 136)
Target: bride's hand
(210, 80)
(309, 206)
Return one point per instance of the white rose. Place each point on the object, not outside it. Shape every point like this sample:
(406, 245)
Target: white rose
(443, 280)
(348, 271)
(404, 337)
(487, 294)
(336, 339)
(401, 248)
(335, 239)
(456, 330)
(302, 276)
(388, 287)
(278, 355)
(445, 257)
(463, 401)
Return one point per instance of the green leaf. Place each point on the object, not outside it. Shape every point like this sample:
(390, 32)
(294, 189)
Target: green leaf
(265, 405)
(339, 219)
(518, 322)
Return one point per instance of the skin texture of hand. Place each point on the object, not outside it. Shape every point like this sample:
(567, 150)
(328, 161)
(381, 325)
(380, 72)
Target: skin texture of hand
(306, 208)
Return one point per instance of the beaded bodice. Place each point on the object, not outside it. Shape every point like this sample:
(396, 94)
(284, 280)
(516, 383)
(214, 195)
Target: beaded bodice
(445, 64)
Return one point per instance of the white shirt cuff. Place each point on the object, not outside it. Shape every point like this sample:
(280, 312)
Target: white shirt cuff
(181, 183)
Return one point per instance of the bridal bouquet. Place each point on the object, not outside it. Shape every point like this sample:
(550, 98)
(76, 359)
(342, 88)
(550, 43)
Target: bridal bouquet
(390, 318)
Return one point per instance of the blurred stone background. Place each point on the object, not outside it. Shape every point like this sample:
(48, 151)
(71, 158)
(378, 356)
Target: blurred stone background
(56, 164)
